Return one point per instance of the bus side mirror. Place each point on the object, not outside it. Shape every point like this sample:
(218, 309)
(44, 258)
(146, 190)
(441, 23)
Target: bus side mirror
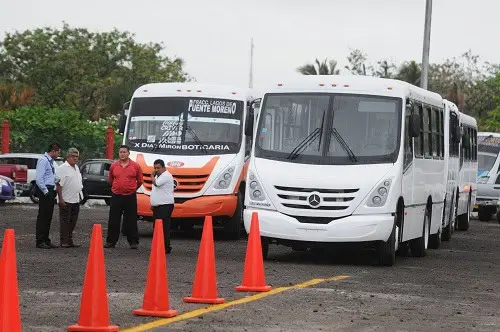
(249, 122)
(456, 134)
(123, 118)
(466, 141)
(121, 124)
(414, 123)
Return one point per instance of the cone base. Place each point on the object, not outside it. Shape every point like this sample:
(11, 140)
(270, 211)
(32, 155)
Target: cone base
(253, 289)
(202, 300)
(156, 313)
(79, 328)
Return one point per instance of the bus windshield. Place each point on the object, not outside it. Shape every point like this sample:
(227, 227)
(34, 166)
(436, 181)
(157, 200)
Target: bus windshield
(329, 128)
(185, 125)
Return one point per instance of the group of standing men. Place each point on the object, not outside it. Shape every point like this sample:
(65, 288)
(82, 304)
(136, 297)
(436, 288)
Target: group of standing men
(125, 177)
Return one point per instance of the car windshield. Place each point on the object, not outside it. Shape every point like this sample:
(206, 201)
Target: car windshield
(329, 128)
(185, 126)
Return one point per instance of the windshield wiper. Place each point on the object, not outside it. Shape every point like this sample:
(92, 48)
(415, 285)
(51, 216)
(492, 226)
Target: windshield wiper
(343, 143)
(304, 143)
(196, 139)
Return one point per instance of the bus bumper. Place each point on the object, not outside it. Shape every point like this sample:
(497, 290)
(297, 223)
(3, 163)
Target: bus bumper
(354, 228)
(198, 207)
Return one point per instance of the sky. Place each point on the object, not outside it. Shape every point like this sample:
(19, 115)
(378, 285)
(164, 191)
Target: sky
(213, 37)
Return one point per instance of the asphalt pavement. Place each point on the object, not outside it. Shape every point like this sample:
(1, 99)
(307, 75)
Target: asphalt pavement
(453, 288)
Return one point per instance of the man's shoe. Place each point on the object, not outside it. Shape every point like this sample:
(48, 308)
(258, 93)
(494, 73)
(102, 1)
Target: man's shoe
(134, 246)
(52, 245)
(109, 245)
(43, 246)
(69, 245)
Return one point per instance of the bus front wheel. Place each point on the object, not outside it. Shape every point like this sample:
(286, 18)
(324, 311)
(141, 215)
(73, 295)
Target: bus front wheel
(233, 225)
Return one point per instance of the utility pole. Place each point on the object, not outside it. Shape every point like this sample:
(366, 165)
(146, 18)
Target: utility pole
(427, 42)
(250, 79)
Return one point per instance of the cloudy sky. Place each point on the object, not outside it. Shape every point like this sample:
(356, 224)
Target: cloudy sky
(213, 37)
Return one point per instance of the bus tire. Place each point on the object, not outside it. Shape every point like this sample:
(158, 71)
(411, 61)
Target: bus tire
(419, 245)
(484, 214)
(463, 221)
(233, 225)
(386, 250)
(265, 247)
(447, 231)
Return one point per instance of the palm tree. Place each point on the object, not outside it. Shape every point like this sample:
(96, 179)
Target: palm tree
(410, 72)
(327, 67)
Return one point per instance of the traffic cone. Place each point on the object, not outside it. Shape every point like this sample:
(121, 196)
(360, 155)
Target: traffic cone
(205, 281)
(155, 302)
(10, 315)
(253, 274)
(94, 313)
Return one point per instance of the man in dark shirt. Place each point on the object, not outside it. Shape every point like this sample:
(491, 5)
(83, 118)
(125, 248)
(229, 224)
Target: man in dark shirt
(125, 177)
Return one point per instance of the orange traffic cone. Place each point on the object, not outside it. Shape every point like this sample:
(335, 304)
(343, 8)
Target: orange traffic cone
(10, 316)
(253, 274)
(94, 313)
(155, 302)
(205, 282)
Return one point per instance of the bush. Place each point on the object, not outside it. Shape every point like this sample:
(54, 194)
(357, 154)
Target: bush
(34, 128)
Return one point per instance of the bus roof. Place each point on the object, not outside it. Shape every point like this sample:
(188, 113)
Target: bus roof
(356, 84)
(192, 89)
(468, 120)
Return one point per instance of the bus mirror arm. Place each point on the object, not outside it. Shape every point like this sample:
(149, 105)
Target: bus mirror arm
(249, 123)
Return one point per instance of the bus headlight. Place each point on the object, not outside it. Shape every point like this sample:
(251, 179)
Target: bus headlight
(379, 195)
(224, 180)
(256, 192)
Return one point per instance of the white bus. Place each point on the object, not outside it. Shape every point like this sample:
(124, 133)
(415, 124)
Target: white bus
(197, 130)
(467, 180)
(452, 137)
(348, 159)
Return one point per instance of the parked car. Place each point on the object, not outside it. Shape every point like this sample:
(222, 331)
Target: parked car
(95, 174)
(30, 160)
(17, 173)
(7, 189)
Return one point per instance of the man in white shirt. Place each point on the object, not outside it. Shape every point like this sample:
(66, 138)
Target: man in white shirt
(162, 198)
(69, 187)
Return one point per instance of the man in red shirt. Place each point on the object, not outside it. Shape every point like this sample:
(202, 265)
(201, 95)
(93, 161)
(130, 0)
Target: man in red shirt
(125, 177)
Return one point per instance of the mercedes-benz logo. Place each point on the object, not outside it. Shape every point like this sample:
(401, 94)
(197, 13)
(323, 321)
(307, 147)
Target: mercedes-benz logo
(314, 200)
(175, 184)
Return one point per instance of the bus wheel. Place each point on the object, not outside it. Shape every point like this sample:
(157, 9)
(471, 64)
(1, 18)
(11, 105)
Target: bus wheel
(447, 231)
(435, 240)
(386, 250)
(464, 219)
(265, 247)
(484, 214)
(419, 246)
(233, 225)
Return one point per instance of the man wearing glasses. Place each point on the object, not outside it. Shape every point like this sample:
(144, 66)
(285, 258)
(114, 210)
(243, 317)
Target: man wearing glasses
(69, 187)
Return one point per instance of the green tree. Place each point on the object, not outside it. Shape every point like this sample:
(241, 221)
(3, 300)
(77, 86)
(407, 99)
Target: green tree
(327, 67)
(73, 68)
(357, 63)
(409, 72)
(33, 128)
